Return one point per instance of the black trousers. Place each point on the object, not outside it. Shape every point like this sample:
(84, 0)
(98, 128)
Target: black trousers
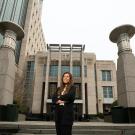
(63, 129)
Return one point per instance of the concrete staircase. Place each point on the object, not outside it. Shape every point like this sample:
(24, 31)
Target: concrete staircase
(86, 128)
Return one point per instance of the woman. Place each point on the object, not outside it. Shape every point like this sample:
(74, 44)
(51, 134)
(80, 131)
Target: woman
(63, 100)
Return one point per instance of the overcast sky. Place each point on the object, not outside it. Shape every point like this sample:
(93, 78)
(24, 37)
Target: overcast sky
(87, 22)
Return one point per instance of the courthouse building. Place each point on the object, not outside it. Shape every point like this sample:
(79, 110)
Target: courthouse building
(95, 80)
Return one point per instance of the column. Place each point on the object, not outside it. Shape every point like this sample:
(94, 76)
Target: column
(59, 68)
(125, 65)
(11, 33)
(38, 84)
(82, 80)
(47, 81)
(71, 61)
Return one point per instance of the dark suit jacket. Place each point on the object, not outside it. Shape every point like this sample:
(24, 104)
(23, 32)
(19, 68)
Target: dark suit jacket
(64, 114)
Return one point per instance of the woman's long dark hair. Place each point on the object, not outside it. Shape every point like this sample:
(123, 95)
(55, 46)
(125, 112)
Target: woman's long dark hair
(60, 89)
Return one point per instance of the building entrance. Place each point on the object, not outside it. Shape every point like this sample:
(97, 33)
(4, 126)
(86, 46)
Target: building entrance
(77, 111)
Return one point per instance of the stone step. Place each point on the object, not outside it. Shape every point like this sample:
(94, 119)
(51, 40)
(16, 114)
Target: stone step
(46, 128)
(75, 131)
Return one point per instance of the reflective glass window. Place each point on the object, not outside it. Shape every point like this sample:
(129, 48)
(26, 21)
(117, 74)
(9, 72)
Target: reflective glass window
(107, 92)
(53, 70)
(78, 90)
(1, 7)
(17, 51)
(106, 75)
(23, 13)
(1, 39)
(76, 71)
(29, 78)
(52, 89)
(65, 69)
(17, 11)
(8, 10)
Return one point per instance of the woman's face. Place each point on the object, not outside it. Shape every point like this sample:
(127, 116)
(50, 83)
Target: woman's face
(66, 78)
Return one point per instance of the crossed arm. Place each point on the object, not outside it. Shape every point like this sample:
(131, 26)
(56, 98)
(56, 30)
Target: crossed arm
(66, 98)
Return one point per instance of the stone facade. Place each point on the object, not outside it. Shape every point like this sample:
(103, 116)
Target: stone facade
(110, 66)
(90, 98)
(34, 39)
(32, 42)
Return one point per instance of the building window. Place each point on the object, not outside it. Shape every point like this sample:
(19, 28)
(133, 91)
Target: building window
(17, 51)
(78, 90)
(44, 70)
(106, 75)
(85, 71)
(65, 69)
(52, 89)
(76, 71)
(53, 70)
(107, 92)
(29, 78)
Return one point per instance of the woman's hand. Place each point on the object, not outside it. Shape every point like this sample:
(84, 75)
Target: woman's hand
(59, 102)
